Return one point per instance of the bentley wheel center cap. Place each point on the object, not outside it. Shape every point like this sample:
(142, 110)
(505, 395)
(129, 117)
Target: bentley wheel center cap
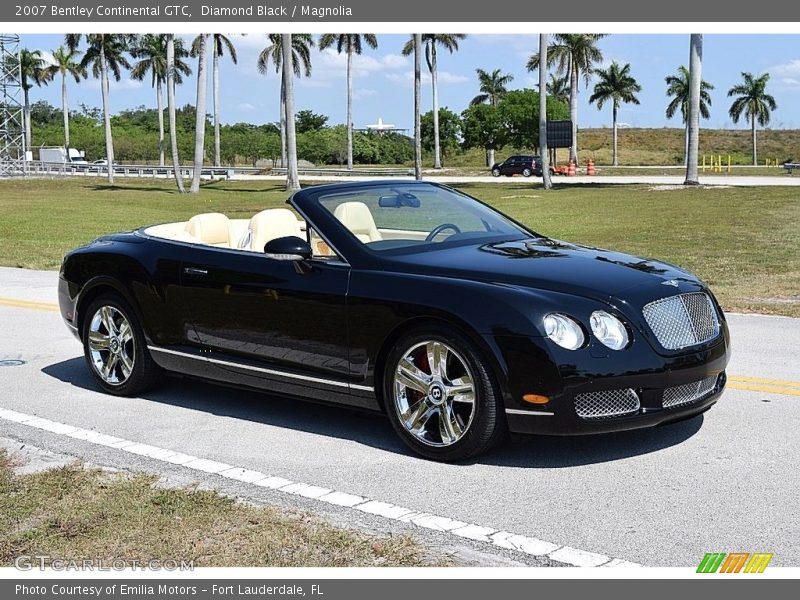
(436, 393)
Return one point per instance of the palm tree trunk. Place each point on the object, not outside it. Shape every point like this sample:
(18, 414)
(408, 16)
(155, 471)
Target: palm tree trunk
(215, 76)
(106, 112)
(292, 179)
(349, 107)
(283, 120)
(26, 116)
(437, 149)
(417, 102)
(755, 144)
(573, 110)
(490, 157)
(65, 110)
(160, 105)
(695, 78)
(200, 120)
(685, 144)
(173, 134)
(546, 182)
(614, 112)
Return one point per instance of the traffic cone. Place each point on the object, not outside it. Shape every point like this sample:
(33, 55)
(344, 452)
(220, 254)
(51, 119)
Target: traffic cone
(590, 168)
(572, 172)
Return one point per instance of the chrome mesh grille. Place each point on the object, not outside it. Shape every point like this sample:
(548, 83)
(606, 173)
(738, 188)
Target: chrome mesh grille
(606, 404)
(689, 392)
(682, 320)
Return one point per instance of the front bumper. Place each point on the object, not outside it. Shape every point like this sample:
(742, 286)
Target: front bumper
(533, 367)
(67, 301)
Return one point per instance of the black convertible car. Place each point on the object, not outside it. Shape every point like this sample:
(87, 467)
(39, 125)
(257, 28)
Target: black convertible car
(408, 298)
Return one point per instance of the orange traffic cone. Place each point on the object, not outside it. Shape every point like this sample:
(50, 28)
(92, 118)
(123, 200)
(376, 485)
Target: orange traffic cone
(571, 171)
(590, 168)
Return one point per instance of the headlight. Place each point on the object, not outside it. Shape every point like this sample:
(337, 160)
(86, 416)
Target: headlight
(564, 331)
(609, 330)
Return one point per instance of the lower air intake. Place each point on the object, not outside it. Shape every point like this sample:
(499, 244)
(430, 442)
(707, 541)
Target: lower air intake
(606, 404)
(689, 392)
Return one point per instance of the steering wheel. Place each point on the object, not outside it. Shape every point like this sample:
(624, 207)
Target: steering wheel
(439, 229)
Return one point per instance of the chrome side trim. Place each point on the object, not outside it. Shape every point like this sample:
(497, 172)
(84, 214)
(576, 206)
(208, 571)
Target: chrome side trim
(236, 365)
(530, 413)
(70, 325)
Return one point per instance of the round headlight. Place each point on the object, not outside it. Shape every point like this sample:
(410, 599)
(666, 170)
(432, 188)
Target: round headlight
(564, 331)
(609, 330)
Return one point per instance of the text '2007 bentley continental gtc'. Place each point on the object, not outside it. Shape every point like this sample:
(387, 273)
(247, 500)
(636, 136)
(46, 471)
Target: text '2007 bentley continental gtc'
(408, 298)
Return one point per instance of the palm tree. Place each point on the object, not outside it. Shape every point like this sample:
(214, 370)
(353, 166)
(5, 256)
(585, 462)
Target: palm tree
(66, 63)
(151, 50)
(493, 86)
(617, 85)
(220, 44)
(693, 122)
(200, 50)
(173, 133)
(104, 53)
(546, 182)
(287, 58)
(575, 55)
(754, 102)
(678, 90)
(301, 65)
(32, 70)
(417, 106)
(351, 44)
(449, 41)
(558, 87)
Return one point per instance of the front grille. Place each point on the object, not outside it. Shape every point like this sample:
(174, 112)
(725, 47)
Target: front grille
(606, 404)
(683, 320)
(689, 392)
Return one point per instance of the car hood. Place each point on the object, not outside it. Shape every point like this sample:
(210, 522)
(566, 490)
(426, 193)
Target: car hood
(546, 264)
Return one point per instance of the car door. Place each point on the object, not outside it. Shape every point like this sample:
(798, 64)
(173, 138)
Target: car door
(284, 316)
(507, 168)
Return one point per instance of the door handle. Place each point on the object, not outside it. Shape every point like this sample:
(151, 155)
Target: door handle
(195, 271)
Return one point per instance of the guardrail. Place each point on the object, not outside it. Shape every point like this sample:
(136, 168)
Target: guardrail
(37, 167)
(381, 171)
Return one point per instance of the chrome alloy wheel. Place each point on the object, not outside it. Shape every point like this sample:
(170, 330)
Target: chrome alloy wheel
(434, 393)
(111, 345)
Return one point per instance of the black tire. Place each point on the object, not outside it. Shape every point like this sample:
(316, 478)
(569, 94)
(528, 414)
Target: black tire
(487, 426)
(526, 172)
(145, 373)
(495, 172)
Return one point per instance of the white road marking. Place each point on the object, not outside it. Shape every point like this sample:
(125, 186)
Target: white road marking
(488, 535)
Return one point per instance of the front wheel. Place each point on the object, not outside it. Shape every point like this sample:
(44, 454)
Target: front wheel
(495, 172)
(115, 348)
(440, 398)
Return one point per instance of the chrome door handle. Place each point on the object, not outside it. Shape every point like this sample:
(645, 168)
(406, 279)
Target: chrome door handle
(195, 271)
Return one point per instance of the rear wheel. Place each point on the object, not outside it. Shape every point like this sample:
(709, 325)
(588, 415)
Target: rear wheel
(115, 348)
(526, 172)
(439, 396)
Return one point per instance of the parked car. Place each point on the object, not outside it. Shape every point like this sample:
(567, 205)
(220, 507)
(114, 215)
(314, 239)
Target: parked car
(407, 298)
(519, 165)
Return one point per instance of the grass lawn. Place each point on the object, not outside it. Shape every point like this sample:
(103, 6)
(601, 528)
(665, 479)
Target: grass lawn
(744, 242)
(73, 513)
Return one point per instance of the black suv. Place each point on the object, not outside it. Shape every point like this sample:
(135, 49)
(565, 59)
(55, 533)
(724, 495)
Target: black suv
(518, 165)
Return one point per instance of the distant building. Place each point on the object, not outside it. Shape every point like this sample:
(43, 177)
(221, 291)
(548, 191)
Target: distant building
(380, 128)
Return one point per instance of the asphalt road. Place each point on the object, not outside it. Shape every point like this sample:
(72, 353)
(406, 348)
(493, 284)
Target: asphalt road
(726, 481)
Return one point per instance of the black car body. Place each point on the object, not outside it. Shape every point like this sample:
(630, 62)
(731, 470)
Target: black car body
(519, 164)
(328, 327)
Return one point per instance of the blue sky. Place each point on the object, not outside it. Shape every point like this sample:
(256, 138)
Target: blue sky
(384, 82)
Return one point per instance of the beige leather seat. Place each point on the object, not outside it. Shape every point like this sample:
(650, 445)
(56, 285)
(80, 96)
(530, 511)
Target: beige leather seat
(210, 228)
(357, 218)
(268, 225)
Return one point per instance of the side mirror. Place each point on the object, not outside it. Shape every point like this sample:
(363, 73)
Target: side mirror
(288, 248)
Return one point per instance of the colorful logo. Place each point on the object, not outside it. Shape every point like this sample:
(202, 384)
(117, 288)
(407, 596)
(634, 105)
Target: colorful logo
(735, 562)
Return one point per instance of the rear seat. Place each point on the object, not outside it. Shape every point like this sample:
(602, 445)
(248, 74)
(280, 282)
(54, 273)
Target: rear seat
(268, 225)
(210, 228)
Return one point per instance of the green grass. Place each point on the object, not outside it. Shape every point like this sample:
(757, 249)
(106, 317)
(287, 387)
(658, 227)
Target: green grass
(744, 242)
(73, 513)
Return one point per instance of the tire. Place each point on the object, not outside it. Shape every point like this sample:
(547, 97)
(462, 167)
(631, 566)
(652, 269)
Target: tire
(495, 172)
(526, 172)
(130, 349)
(475, 426)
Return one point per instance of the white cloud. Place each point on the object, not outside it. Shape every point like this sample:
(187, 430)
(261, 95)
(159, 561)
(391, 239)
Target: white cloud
(329, 64)
(246, 106)
(123, 84)
(444, 77)
(789, 69)
(358, 94)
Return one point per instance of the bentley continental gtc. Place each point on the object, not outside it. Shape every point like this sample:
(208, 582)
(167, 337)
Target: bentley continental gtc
(406, 298)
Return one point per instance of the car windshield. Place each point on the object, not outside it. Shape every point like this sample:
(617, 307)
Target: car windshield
(398, 217)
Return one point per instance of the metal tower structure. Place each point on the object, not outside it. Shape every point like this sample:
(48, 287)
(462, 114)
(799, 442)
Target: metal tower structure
(12, 131)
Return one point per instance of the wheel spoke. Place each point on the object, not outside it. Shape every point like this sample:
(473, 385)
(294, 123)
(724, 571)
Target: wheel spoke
(449, 427)
(437, 357)
(107, 317)
(418, 415)
(125, 333)
(98, 341)
(126, 364)
(462, 389)
(110, 365)
(411, 376)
